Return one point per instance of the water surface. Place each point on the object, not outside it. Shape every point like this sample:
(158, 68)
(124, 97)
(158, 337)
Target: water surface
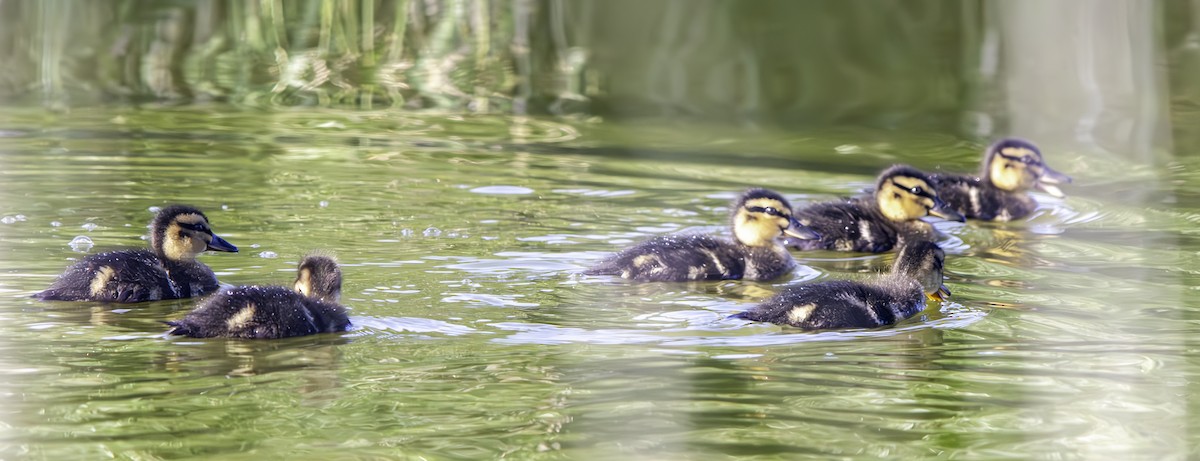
(461, 239)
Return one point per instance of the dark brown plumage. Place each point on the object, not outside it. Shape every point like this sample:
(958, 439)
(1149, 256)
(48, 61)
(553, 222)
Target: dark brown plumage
(885, 300)
(269, 312)
(1011, 168)
(168, 270)
(879, 222)
(759, 218)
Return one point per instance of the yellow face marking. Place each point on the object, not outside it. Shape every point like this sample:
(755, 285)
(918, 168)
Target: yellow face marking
(898, 203)
(1012, 174)
(183, 244)
(304, 282)
(100, 281)
(755, 228)
(241, 318)
(799, 314)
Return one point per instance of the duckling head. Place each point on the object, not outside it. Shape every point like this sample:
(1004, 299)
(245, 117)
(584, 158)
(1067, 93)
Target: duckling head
(904, 193)
(319, 277)
(1016, 165)
(761, 216)
(924, 261)
(180, 232)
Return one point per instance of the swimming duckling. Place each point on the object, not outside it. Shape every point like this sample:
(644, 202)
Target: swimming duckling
(270, 312)
(885, 300)
(168, 270)
(760, 217)
(877, 223)
(1011, 167)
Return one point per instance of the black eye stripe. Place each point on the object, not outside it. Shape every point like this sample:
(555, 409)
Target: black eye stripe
(196, 227)
(919, 191)
(1020, 158)
(768, 210)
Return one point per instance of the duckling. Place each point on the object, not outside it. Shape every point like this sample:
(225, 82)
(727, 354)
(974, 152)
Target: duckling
(889, 298)
(877, 223)
(759, 218)
(1011, 167)
(270, 312)
(168, 270)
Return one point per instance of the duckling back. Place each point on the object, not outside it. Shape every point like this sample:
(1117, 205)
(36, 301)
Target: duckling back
(975, 198)
(841, 304)
(261, 312)
(677, 258)
(853, 225)
(118, 276)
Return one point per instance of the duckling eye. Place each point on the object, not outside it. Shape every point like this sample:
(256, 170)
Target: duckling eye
(917, 190)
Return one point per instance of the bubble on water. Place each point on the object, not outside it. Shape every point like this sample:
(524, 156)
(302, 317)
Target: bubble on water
(91, 226)
(21, 218)
(224, 207)
(406, 232)
(81, 243)
(55, 224)
(8, 220)
(323, 203)
(254, 245)
(432, 232)
(268, 255)
(154, 209)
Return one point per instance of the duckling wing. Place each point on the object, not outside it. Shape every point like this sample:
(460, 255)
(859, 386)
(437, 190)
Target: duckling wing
(118, 276)
(834, 304)
(192, 278)
(676, 258)
(847, 225)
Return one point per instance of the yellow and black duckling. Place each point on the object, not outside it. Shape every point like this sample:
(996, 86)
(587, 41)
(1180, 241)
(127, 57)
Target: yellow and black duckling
(269, 312)
(878, 222)
(1011, 167)
(760, 217)
(890, 298)
(168, 270)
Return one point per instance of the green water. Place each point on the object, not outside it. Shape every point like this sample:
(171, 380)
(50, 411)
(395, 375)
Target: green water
(1069, 335)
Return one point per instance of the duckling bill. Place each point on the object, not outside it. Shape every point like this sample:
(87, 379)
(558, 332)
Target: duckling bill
(879, 222)
(916, 275)
(168, 270)
(759, 218)
(1011, 168)
(271, 312)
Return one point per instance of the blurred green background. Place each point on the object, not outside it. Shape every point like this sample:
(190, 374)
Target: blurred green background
(1117, 75)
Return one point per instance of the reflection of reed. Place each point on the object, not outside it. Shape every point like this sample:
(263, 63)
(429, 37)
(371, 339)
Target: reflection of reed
(916, 61)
